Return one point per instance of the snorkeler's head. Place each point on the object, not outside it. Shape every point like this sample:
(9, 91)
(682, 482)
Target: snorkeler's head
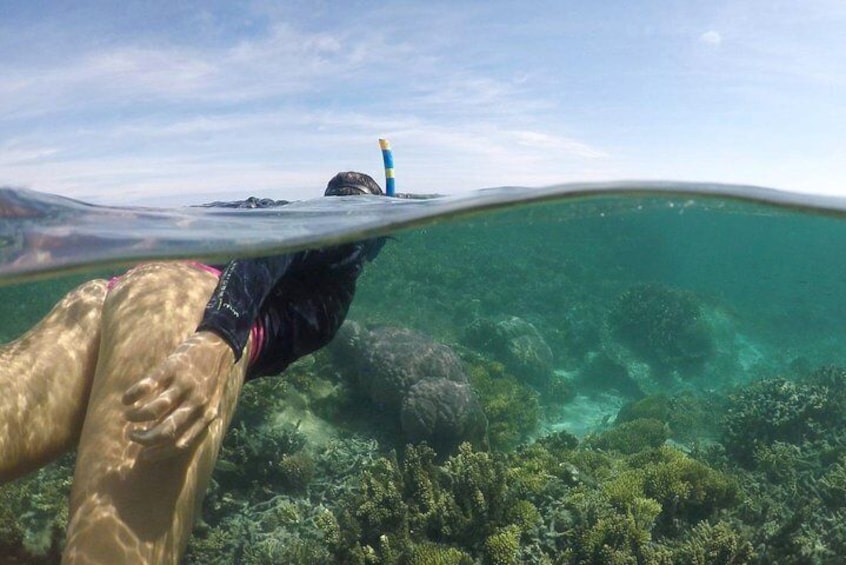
(351, 183)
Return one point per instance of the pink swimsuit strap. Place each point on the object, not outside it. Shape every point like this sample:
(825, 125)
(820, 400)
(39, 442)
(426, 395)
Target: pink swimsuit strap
(203, 267)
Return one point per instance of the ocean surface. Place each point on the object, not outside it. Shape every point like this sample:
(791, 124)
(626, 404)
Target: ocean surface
(660, 369)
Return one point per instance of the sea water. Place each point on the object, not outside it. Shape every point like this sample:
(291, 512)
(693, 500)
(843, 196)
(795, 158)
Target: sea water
(662, 369)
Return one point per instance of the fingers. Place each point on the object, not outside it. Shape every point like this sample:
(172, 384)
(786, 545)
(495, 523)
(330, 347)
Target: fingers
(195, 430)
(158, 407)
(138, 390)
(147, 386)
(174, 434)
(169, 430)
(158, 441)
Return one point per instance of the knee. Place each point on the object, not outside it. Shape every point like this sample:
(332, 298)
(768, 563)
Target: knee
(164, 284)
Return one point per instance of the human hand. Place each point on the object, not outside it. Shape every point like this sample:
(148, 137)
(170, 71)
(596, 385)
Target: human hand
(174, 404)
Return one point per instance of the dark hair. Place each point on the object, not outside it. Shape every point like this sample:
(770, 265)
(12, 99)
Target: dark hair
(351, 183)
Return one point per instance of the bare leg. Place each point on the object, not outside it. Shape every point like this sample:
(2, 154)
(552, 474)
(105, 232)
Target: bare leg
(45, 378)
(122, 509)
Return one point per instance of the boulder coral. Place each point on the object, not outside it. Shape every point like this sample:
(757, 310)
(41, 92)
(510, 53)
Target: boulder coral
(516, 343)
(420, 380)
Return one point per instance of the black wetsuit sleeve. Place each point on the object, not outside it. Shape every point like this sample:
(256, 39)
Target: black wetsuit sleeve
(243, 286)
(301, 299)
(306, 308)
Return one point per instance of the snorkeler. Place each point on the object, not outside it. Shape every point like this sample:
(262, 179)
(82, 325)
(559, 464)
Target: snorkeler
(143, 373)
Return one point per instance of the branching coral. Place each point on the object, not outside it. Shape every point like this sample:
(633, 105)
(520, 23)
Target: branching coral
(776, 410)
(511, 407)
(34, 513)
(463, 502)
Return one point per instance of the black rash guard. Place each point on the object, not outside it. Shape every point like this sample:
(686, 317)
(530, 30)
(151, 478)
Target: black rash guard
(299, 299)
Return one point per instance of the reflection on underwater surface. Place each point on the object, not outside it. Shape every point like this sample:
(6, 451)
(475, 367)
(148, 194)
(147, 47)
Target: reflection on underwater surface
(663, 380)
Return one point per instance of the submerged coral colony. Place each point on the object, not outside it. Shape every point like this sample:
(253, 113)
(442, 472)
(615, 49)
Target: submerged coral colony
(394, 447)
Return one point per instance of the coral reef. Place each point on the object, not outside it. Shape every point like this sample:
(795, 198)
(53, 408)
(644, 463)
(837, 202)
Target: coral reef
(512, 408)
(777, 410)
(34, 514)
(537, 506)
(462, 503)
(387, 361)
(662, 326)
(421, 381)
(443, 413)
(632, 436)
(516, 343)
(688, 417)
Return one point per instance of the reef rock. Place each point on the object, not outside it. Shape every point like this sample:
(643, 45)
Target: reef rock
(516, 343)
(388, 361)
(443, 413)
(409, 374)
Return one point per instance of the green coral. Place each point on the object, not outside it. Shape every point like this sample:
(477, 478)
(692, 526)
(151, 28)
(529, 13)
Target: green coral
(295, 471)
(687, 489)
(254, 458)
(654, 406)
(462, 502)
(503, 547)
(710, 543)
(511, 407)
(548, 460)
(434, 554)
(632, 437)
(777, 410)
(688, 416)
(34, 513)
(605, 533)
(662, 325)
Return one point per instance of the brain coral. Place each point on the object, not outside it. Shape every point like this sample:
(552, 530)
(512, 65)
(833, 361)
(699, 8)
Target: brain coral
(443, 413)
(388, 361)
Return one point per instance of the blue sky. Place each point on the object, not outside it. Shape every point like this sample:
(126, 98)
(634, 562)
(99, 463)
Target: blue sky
(175, 102)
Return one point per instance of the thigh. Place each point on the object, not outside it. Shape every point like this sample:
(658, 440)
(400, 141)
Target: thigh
(122, 509)
(45, 378)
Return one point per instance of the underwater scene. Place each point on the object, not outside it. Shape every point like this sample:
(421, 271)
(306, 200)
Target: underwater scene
(604, 379)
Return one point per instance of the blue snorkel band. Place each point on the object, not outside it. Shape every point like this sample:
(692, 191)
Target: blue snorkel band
(388, 159)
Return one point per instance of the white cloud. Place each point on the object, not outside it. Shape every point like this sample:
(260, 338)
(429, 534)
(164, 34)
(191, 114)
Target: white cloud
(12, 153)
(556, 143)
(711, 37)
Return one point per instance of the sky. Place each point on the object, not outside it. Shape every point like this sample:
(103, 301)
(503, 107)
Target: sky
(180, 102)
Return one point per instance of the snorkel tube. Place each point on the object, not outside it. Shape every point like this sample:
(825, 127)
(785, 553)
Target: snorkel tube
(388, 160)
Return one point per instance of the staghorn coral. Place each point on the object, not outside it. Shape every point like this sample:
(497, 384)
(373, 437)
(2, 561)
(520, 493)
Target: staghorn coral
(461, 503)
(687, 489)
(255, 457)
(708, 543)
(503, 547)
(434, 554)
(776, 410)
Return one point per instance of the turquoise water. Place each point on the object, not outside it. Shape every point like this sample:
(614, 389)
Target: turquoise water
(663, 378)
